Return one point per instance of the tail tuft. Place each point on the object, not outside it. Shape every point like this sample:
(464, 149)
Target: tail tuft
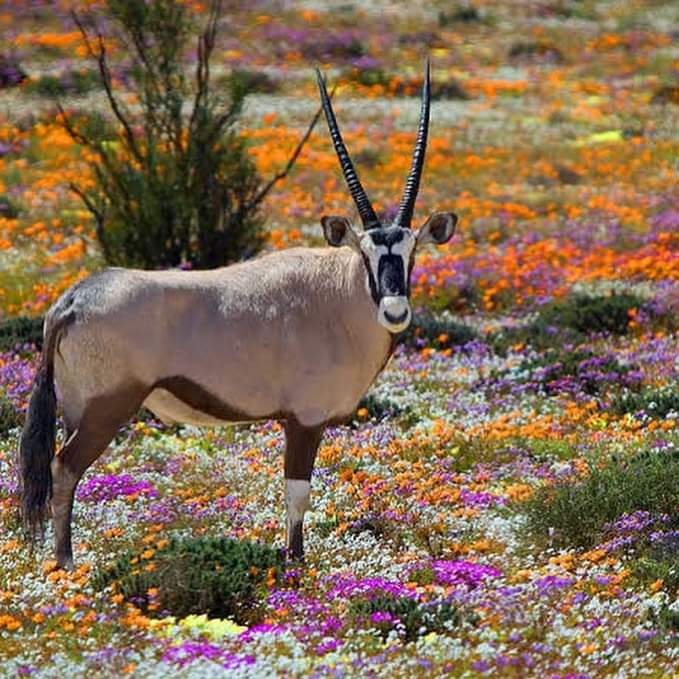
(36, 451)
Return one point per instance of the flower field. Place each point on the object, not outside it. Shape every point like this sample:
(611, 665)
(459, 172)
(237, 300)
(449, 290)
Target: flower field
(506, 500)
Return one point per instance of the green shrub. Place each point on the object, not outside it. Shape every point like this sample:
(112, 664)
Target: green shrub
(380, 408)
(574, 513)
(464, 14)
(253, 81)
(8, 209)
(20, 330)
(370, 76)
(412, 618)
(666, 618)
(659, 564)
(656, 402)
(65, 84)
(570, 320)
(216, 576)
(173, 182)
(588, 314)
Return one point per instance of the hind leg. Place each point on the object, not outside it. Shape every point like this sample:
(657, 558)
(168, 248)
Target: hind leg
(98, 425)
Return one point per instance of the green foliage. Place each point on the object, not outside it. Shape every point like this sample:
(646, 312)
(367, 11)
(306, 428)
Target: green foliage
(250, 81)
(65, 84)
(439, 332)
(589, 314)
(571, 320)
(666, 618)
(659, 564)
(381, 407)
(412, 618)
(175, 186)
(20, 330)
(656, 402)
(216, 576)
(10, 417)
(464, 14)
(8, 209)
(370, 76)
(574, 513)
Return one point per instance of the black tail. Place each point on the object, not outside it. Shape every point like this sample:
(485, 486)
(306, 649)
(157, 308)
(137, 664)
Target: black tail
(36, 447)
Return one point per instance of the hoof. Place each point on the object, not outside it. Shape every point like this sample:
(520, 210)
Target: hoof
(65, 563)
(293, 556)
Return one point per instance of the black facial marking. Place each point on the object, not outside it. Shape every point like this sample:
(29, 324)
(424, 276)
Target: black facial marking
(374, 292)
(391, 276)
(387, 237)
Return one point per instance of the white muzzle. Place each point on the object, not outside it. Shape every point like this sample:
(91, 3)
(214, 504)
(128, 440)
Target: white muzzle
(394, 313)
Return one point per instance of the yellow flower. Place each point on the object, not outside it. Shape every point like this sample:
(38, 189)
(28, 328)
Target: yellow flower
(215, 628)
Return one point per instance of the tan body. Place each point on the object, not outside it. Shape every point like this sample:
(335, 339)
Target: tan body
(303, 342)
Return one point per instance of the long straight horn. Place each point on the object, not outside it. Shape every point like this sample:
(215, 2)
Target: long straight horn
(405, 210)
(365, 209)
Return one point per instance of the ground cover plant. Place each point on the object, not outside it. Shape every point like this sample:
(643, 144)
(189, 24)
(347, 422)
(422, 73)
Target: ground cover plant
(504, 501)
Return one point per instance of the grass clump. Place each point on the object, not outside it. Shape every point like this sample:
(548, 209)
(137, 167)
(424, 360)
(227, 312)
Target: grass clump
(575, 513)
(220, 577)
(409, 617)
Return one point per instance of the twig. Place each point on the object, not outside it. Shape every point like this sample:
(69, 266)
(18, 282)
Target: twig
(98, 216)
(105, 73)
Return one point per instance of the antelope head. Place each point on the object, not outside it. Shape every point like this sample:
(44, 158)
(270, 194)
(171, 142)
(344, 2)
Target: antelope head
(388, 250)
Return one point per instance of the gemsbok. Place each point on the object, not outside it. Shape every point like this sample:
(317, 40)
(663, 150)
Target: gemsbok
(296, 335)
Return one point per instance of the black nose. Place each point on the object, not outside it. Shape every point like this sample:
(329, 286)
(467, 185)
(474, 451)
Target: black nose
(396, 319)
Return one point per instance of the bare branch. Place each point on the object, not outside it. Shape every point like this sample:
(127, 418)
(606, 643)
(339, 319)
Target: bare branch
(107, 81)
(98, 216)
(70, 129)
(206, 44)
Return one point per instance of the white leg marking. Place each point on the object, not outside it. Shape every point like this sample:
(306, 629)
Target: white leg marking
(296, 499)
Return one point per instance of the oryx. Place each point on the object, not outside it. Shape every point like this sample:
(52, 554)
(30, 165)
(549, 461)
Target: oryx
(296, 335)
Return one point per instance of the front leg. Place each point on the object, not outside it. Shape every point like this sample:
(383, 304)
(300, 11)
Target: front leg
(301, 445)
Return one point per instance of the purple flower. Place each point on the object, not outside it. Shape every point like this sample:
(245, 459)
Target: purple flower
(111, 486)
(381, 617)
(328, 645)
(346, 586)
(465, 573)
(189, 651)
(552, 583)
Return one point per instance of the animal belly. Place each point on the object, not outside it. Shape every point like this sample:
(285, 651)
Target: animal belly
(172, 410)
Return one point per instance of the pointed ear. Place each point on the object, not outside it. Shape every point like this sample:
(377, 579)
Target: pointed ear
(338, 232)
(438, 229)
